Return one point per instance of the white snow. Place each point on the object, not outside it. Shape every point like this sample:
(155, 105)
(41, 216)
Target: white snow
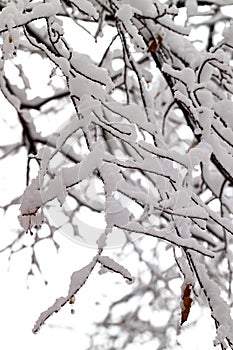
(125, 14)
(77, 280)
(113, 266)
(87, 7)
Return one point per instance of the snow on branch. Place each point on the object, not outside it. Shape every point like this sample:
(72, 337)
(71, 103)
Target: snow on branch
(77, 280)
(146, 143)
(169, 235)
(113, 266)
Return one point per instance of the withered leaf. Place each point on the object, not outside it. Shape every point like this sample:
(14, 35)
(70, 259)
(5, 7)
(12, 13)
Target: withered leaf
(186, 303)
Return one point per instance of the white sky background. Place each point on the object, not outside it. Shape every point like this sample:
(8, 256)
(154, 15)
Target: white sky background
(20, 307)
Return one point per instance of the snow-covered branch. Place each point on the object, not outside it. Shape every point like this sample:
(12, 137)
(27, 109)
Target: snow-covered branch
(144, 140)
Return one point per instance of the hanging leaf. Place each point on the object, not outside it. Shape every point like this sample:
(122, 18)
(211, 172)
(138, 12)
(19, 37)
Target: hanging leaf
(152, 47)
(186, 303)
